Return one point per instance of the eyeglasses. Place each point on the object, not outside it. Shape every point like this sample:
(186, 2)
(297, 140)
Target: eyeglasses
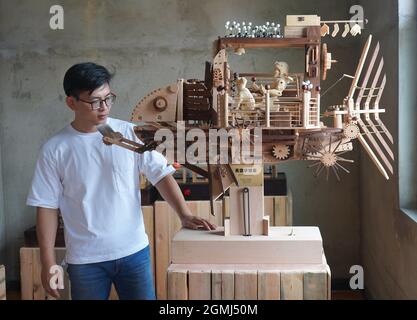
(96, 104)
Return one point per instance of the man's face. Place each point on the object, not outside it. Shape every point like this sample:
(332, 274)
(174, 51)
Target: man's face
(84, 110)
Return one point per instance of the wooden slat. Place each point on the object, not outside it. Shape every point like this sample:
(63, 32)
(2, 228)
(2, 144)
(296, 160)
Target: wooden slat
(315, 286)
(269, 285)
(162, 244)
(199, 285)
(280, 210)
(246, 285)
(26, 265)
(288, 209)
(228, 285)
(2, 282)
(177, 285)
(225, 208)
(188, 93)
(216, 285)
(166, 226)
(264, 42)
(329, 283)
(269, 209)
(291, 285)
(197, 115)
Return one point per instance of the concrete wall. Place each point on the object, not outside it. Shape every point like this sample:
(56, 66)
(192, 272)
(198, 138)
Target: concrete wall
(388, 234)
(150, 44)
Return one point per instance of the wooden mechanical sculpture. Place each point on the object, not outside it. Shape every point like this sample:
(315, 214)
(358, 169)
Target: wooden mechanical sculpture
(284, 106)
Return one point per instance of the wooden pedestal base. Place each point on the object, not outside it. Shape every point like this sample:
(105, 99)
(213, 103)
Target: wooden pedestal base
(287, 264)
(283, 245)
(249, 281)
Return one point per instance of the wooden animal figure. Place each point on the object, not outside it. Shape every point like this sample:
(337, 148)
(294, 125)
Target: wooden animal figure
(245, 99)
(255, 88)
(280, 69)
(279, 85)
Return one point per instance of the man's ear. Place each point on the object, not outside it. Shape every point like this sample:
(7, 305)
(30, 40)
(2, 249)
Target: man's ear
(70, 103)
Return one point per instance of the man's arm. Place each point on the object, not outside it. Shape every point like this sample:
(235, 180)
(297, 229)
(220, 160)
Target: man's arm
(46, 227)
(171, 192)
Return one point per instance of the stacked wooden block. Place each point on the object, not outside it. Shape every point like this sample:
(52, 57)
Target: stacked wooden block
(287, 264)
(249, 282)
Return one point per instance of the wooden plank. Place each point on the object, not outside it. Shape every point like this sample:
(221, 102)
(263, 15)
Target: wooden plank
(162, 244)
(228, 284)
(304, 246)
(280, 210)
(288, 209)
(148, 219)
(38, 290)
(329, 283)
(26, 279)
(291, 285)
(225, 208)
(2, 282)
(315, 285)
(264, 42)
(246, 285)
(227, 227)
(177, 285)
(166, 225)
(265, 226)
(269, 285)
(255, 207)
(269, 209)
(199, 285)
(216, 285)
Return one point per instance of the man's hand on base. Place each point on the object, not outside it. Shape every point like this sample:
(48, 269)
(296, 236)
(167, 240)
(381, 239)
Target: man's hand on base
(193, 222)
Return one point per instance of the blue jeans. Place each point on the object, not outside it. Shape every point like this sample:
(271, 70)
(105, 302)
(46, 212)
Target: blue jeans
(131, 275)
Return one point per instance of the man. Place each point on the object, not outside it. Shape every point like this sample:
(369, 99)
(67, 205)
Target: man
(96, 189)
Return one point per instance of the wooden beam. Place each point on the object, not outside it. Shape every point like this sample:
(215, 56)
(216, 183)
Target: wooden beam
(199, 285)
(246, 285)
(177, 285)
(292, 285)
(216, 285)
(162, 244)
(315, 286)
(269, 285)
(228, 284)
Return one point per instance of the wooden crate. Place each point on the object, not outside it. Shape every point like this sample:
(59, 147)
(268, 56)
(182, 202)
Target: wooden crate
(2, 282)
(249, 282)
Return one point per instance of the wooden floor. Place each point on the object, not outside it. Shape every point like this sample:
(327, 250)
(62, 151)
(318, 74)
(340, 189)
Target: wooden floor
(348, 295)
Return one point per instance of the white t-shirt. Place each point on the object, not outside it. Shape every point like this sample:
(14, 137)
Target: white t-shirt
(96, 188)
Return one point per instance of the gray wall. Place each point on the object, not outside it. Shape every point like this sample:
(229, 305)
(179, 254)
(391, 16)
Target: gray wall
(150, 44)
(389, 235)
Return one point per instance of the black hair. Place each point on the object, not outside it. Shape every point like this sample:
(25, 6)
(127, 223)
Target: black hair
(86, 76)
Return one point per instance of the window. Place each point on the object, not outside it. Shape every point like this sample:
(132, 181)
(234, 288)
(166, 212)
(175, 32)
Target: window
(407, 103)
